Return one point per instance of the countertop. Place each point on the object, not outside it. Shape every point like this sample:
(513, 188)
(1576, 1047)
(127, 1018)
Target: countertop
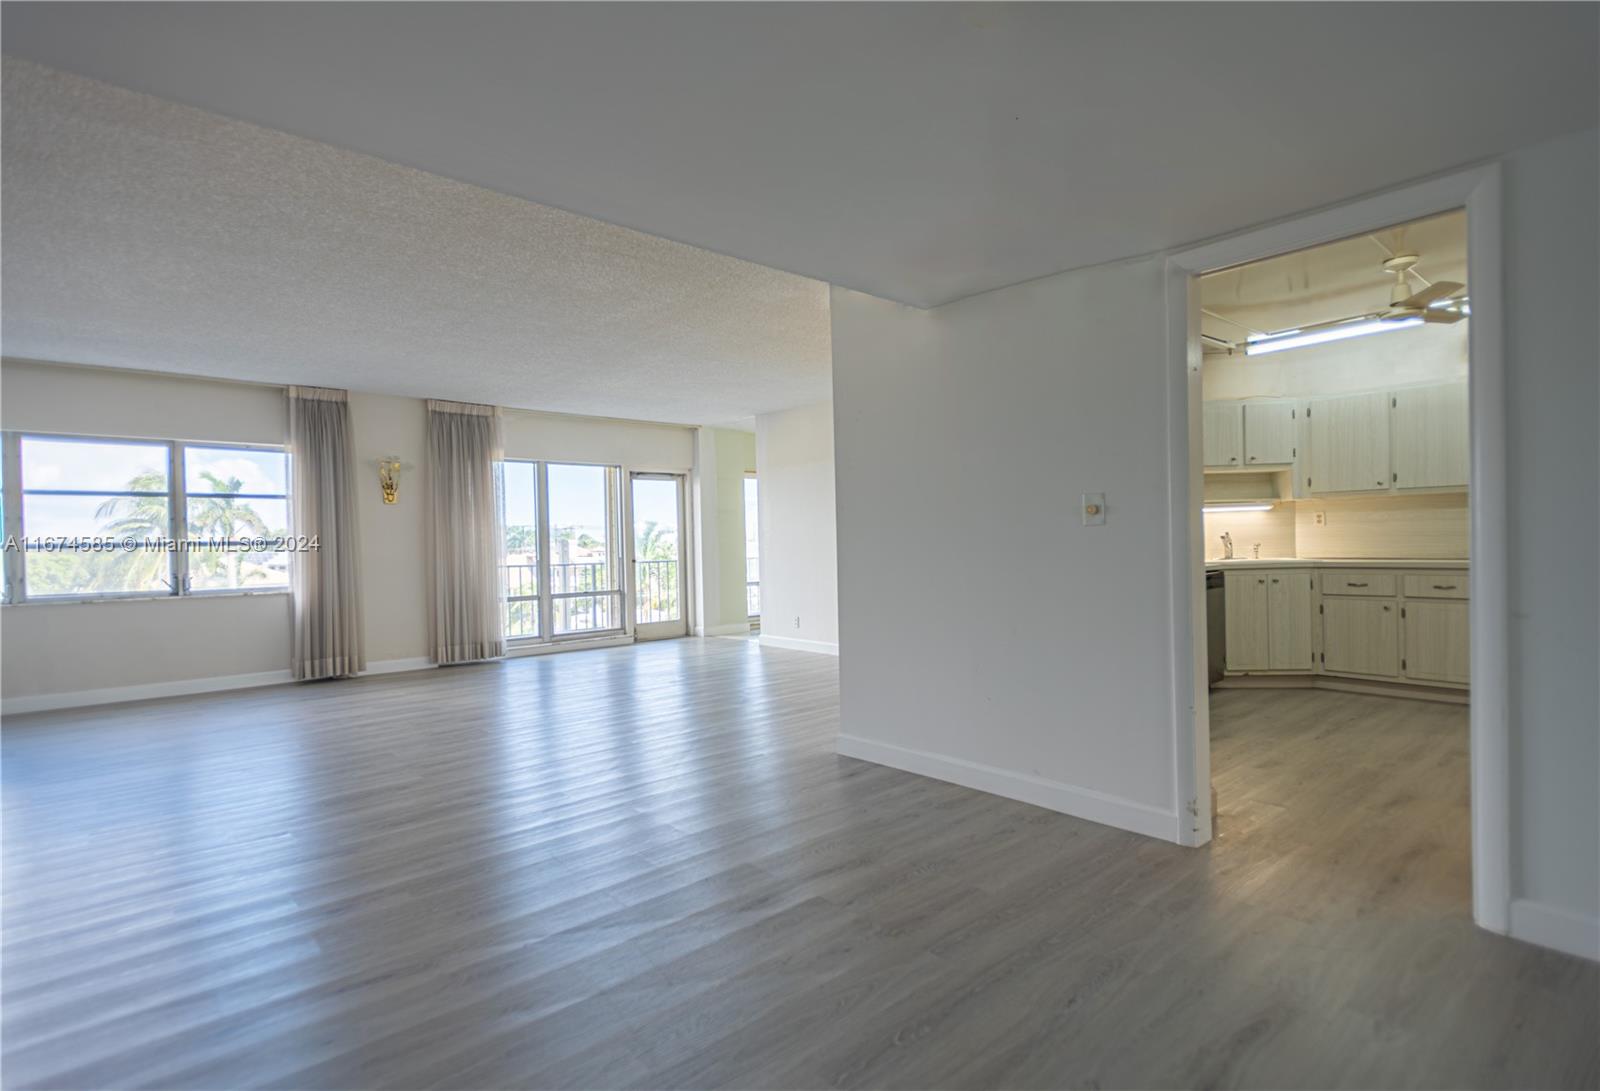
(1340, 562)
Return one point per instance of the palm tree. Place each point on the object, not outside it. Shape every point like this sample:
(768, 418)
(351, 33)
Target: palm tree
(144, 518)
(223, 516)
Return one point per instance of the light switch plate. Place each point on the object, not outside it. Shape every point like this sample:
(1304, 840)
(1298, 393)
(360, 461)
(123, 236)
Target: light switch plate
(1094, 509)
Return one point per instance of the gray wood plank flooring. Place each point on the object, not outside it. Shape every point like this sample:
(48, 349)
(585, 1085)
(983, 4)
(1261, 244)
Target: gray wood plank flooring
(646, 867)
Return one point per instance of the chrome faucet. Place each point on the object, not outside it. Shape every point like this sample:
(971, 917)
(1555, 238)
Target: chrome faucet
(1227, 546)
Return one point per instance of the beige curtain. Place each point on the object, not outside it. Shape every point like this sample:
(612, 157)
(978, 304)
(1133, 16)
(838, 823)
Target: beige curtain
(464, 448)
(327, 592)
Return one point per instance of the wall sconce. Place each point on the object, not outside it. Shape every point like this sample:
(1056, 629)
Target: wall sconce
(389, 478)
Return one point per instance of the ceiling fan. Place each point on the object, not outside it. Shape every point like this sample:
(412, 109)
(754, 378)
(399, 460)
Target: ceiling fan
(1444, 301)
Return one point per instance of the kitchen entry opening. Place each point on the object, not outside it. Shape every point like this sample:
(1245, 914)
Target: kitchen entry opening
(1335, 532)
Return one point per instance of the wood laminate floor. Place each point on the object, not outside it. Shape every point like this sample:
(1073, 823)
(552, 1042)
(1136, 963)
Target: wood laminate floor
(646, 867)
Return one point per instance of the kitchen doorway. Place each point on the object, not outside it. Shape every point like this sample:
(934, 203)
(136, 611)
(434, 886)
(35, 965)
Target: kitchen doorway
(1353, 437)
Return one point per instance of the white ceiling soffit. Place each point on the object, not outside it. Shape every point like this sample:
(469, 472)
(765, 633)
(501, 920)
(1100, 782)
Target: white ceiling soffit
(919, 152)
(1337, 280)
(141, 233)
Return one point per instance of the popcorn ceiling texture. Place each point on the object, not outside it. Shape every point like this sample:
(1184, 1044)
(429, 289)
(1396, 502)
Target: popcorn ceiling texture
(141, 233)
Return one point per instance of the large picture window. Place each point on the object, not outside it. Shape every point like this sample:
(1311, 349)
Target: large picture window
(105, 518)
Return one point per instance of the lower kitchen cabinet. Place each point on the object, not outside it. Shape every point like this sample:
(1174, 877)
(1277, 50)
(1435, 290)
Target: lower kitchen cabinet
(1361, 636)
(1269, 619)
(1437, 646)
(1289, 620)
(1245, 600)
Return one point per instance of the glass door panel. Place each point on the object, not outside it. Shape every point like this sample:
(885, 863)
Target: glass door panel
(657, 512)
(585, 571)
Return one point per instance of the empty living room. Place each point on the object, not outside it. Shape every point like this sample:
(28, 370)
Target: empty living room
(799, 545)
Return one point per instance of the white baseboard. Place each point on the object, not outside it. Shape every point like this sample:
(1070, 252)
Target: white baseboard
(1560, 929)
(397, 666)
(112, 695)
(46, 702)
(734, 628)
(795, 644)
(1095, 806)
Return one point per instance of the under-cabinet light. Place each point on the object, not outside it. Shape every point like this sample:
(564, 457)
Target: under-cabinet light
(1277, 342)
(1217, 509)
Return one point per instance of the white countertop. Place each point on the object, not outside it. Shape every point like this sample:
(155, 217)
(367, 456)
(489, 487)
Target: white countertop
(1339, 562)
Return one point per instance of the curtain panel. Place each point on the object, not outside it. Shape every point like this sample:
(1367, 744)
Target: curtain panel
(325, 583)
(464, 450)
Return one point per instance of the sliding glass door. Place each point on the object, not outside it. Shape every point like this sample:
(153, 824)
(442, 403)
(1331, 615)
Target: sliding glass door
(656, 503)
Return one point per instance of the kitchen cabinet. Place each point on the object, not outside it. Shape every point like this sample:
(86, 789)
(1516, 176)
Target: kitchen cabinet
(1350, 443)
(1269, 619)
(1430, 436)
(1245, 606)
(1269, 433)
(1437, 645)
(1222, 432)
(1361, 636)
(1289, 620)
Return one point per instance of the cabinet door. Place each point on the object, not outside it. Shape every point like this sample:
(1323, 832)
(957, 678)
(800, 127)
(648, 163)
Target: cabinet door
(1245, 608)
(1222, 430)
(1350, 443)
(1437, 644)
(1361, 636)
(1289, 620)
(1430, 436)
(1269, 429)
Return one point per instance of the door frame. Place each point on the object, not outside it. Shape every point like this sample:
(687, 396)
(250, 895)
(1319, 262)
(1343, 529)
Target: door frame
(1479, 191)
(656, 630)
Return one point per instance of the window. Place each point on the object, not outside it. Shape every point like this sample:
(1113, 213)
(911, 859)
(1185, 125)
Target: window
(237, 510)
(519, 493)
(585, 569)
(752, 549)
(96, 514)
(100, 518)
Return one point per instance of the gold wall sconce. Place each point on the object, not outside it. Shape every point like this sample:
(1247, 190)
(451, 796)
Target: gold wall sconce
(389, 478)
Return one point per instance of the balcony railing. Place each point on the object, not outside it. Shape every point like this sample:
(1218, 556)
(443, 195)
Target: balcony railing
(656, 586)
(752, 586)
(580, 600)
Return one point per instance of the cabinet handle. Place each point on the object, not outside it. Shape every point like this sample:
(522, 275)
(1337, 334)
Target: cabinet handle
(1444, 587)
(1353, 583)
(1235, 458)
(1261, 581)
(1252, 458)
(1386, 609)
(1274, 579)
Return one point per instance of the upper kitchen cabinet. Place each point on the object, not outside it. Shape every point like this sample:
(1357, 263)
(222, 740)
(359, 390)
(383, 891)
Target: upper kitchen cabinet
(1269, 433)
(1222, 426)
(1430, 436)
(1350, 443)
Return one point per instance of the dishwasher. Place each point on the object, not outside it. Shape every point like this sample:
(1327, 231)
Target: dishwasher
(1216, 628)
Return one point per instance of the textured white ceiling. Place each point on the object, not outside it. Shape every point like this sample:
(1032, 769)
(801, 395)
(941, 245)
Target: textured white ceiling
(915, 151)
(141, 233)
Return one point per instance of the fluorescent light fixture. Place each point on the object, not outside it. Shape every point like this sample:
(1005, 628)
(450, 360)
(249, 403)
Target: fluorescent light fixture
(1217, 509)
(1295, 339)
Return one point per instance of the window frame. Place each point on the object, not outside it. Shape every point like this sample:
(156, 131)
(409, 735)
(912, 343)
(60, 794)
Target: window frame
(541, 622)
(14, 491)
(615, 561)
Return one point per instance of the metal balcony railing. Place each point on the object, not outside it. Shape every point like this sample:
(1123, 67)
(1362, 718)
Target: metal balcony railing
(656, 591)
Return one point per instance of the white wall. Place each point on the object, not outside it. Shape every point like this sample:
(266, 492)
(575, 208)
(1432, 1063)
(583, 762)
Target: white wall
(990, 637)
(967, 432)
(49, 649)
(799, 548)
(1552, 276)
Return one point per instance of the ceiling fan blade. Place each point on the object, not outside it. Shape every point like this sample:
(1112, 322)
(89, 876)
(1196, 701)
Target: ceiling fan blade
(1441, 314)
(1442, 290)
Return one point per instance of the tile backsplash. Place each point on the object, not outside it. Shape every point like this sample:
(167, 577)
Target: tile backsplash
(1398, 527)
